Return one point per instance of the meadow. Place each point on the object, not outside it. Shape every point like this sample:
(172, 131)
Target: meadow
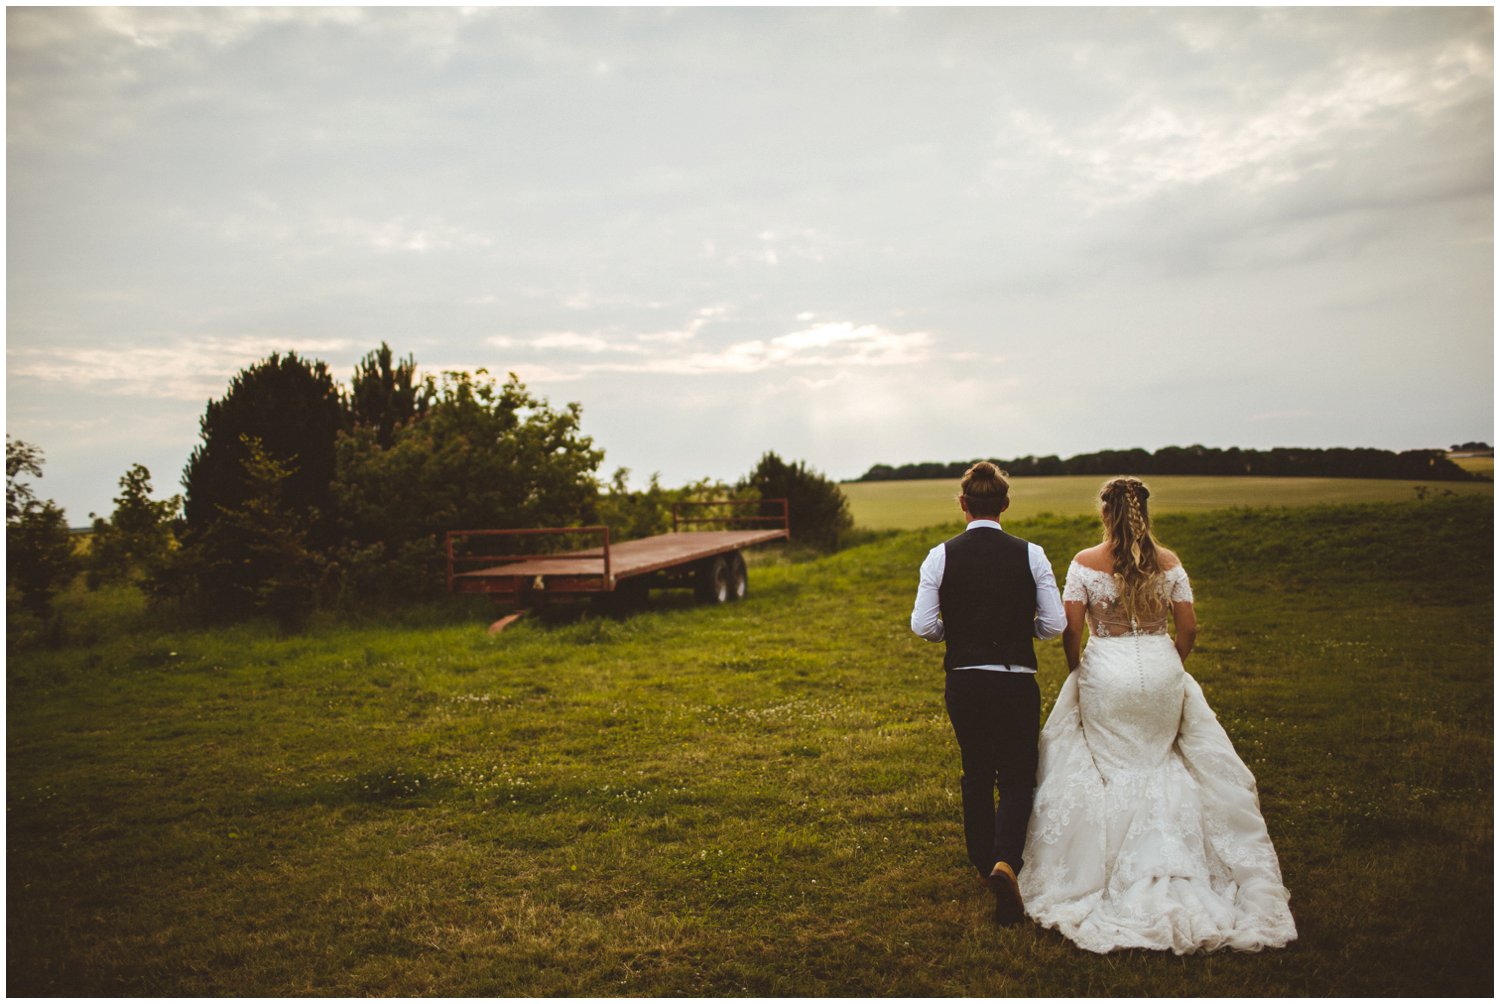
(1477, 465)
(755, 799)
(911, 505)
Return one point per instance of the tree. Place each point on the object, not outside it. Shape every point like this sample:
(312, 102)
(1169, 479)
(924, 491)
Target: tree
(21, 458)
(817, 510)
(284, 570)
(39, 557)
(629, 514)
(138, 537)
(292, 408)
(481, 457)
(1198, 459)
(385, 394)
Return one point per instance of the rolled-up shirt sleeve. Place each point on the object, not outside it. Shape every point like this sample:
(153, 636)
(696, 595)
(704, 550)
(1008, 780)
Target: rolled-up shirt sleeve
(1050, 618)
(926, 618)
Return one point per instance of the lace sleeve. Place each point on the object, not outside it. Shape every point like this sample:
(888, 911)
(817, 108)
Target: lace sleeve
(1181, 589)
(1074, 591)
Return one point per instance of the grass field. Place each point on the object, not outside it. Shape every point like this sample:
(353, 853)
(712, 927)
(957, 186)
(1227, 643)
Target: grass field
(910, 505)
(1478, 465)
(754, 799)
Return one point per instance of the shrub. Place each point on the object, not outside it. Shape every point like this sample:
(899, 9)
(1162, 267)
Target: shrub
(39, 557)
(137, 538)
(817, 511)
(482, 457)
(285, 571)
(630, 515)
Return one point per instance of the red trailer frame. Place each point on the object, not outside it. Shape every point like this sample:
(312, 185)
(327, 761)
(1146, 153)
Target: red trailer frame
(707, 560)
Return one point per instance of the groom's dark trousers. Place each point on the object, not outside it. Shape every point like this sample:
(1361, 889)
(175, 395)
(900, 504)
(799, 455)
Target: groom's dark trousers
(995, 717)
(991, 589)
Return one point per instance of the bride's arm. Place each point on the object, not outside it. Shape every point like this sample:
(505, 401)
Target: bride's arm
(1186, 623)
(1073, 633)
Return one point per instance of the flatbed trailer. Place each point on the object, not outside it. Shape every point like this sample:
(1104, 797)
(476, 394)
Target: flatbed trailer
(708, 561)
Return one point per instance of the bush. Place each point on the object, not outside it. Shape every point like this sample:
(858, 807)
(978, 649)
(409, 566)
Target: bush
(138, 538)
(631, 515)
(39, 556)
(285, 570)
(817, 511)
(482, 457)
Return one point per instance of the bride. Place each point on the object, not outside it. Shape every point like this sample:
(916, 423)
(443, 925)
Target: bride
(1147, 830)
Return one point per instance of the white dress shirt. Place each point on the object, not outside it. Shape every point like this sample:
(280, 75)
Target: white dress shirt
(926, 615)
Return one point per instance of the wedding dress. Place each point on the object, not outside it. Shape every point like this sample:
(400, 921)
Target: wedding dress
(1147, 830)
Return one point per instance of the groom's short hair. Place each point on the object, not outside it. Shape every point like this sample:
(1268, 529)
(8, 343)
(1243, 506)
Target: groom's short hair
(985, 489)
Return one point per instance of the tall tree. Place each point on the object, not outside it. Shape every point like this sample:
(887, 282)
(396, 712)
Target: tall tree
(21, 459)
(292, 408)
(386, 394)
(39, 557)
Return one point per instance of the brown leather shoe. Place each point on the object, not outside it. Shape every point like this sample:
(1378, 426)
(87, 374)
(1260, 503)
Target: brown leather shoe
(1009, 909)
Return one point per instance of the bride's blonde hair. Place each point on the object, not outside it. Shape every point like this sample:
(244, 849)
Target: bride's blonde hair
(1127, 532)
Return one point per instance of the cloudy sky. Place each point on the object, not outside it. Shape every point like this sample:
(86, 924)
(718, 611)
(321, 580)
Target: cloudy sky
(848, 235)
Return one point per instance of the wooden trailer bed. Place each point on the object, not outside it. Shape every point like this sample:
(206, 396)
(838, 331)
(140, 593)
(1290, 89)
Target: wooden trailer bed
(706, 560)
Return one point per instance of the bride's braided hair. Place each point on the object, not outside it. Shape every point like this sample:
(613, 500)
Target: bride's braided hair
(1127, 531)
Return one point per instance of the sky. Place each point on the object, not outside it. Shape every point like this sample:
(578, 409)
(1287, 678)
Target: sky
(848, 235)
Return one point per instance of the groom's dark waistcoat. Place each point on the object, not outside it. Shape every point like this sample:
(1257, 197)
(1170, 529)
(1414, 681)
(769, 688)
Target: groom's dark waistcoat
(988, 599)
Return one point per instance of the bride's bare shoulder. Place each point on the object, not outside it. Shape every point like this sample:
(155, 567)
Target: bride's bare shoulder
(1169, 559)
(1096, 557)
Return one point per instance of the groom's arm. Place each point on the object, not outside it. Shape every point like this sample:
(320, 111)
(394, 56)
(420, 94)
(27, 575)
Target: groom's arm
(926, 613)
(1050, 619)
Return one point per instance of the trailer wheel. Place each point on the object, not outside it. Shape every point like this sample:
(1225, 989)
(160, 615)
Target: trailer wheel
(739, 578)
(711, 580)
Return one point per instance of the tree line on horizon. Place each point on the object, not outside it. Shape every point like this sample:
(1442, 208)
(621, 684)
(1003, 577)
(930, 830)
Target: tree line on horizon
(304, 495)
(1411, 465)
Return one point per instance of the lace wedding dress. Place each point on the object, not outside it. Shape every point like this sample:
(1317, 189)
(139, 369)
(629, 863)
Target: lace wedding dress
(1147, 830)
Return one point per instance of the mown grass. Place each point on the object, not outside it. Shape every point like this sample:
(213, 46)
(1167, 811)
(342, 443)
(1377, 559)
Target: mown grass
(1477, 465)
(755, 799)
(911, 505)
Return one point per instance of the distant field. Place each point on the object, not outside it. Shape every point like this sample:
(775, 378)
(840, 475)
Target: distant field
(908, 505)
(1479, 465)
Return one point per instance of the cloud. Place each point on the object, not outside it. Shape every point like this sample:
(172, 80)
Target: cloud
(535, 373)
(1274, 416)
(773, 247)
(190, 369)
(834, 343)
(704, 317)
(1264, 133)
(308, 231)
(565, 341)
(402, 234)
(614, 340)
(162, 27)
(826, 344)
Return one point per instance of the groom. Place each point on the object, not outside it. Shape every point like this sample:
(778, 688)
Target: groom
(987, 594)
